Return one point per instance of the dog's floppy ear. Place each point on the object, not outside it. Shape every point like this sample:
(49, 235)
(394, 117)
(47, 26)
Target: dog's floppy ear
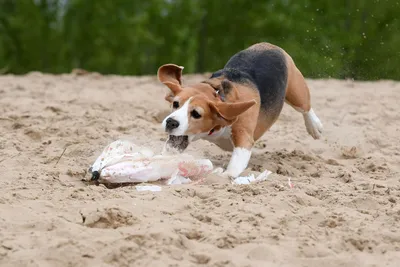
(230, 111)
(171, 76)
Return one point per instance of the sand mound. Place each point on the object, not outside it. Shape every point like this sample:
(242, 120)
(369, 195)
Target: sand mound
(343, 210)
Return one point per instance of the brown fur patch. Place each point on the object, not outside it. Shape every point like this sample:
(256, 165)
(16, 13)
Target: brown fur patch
(208, 118)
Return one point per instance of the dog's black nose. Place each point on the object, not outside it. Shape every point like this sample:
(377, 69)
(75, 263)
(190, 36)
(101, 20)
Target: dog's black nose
(171, 124)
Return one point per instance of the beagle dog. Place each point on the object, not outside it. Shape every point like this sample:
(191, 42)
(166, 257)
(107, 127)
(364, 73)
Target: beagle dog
(236, 105)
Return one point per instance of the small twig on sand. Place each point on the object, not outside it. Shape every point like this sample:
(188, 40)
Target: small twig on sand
(60, 156)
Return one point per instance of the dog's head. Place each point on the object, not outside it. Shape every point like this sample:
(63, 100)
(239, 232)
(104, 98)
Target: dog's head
(197, 110)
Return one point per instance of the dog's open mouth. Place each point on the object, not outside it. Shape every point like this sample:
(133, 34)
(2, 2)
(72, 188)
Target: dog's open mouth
(180, 142)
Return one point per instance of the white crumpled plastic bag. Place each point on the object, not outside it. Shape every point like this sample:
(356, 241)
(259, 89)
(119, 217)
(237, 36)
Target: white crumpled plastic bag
(251, 178)
(240, 180)
(124, 162)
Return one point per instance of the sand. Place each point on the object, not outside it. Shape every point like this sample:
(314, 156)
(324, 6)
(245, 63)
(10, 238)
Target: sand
(344, 208)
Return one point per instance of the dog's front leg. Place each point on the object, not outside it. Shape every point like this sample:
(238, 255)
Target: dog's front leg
(243, 142)
(238, 163)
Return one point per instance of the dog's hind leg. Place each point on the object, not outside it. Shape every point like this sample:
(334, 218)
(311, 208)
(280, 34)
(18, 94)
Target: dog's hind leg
(298, 96)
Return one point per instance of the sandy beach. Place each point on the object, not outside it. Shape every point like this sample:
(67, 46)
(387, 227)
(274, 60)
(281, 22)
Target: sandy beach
(344, 208)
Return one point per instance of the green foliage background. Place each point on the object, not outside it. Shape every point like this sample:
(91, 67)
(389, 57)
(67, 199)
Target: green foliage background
(357, 39)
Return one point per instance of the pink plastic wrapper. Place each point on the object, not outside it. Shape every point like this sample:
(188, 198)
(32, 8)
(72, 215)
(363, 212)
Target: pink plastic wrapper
(124, 162)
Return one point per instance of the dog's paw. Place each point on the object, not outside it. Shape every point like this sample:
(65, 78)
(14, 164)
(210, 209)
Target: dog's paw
(313, 124)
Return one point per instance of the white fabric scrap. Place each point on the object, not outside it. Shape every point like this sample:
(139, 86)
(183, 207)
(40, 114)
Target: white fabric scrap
(153, 188)
(251, 179)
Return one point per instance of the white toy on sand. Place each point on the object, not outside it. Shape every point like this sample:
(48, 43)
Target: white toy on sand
(124, 162)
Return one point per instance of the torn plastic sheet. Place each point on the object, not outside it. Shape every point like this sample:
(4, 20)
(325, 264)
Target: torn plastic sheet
(251, 178)
(124, 162)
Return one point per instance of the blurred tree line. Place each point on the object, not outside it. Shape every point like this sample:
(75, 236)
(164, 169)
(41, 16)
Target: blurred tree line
(341, 39)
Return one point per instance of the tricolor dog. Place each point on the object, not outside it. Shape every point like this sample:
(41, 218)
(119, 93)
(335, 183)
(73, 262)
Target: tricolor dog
(237, 104)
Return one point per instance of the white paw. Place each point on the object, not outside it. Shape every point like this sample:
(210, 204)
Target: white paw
(313, 124)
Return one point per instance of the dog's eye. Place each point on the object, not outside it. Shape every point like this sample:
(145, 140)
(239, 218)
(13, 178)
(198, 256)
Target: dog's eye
(195, 114)
(175, 104)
